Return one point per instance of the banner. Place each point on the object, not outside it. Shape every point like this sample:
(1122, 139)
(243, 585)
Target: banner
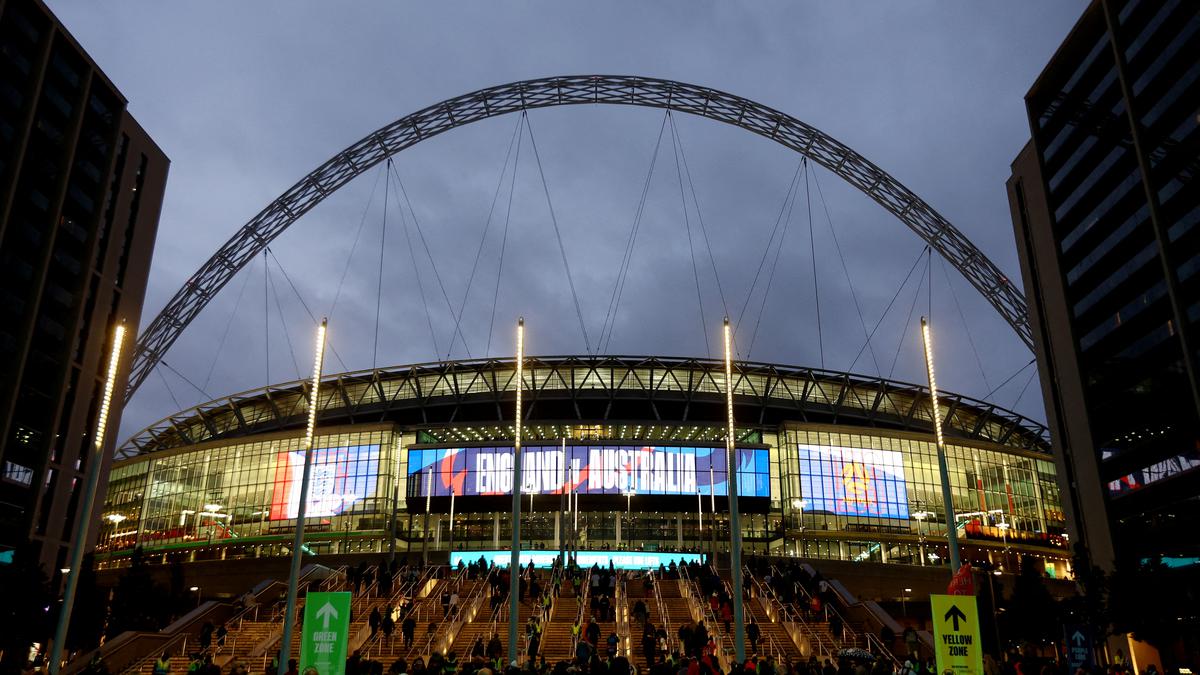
(853, 481)
(338, 478)
(589, 469)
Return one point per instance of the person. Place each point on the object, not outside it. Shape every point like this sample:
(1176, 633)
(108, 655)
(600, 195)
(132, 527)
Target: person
(583, 653)
(446, 603)
(612, 644)
(912, 641)
(292, 668)
(408, 627)
(727, 615)
(453, 600)
(450, 663)
(163, 665)
(388, 625)
(753, 632)
(221, 633)
(477, 648)
(494, 649)
(374, 620)
(206, 632)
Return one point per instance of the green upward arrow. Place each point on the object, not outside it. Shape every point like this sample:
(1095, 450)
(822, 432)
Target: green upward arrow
(956, 615)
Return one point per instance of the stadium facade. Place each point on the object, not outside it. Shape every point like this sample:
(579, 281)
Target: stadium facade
(829, 465)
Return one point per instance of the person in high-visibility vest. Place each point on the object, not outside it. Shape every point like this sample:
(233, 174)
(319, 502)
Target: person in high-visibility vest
(163, 665)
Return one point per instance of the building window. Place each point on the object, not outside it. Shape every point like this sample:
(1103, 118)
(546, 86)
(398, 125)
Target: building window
(18, 473)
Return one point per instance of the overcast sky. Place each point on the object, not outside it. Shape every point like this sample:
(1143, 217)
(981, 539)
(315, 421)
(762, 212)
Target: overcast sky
(247, 98)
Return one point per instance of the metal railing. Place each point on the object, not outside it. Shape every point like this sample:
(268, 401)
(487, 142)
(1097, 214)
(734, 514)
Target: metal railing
(794, 623)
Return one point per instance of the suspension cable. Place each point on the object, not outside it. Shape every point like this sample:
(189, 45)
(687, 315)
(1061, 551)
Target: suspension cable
(225, 333)
(312, 317)
(1008, 379)
(379, 279)
(412, 256)
(266, 320)
(691, 249)
(437, 275)
(687, 171)
(283, 323)
(353, 247)
(512, 185)
(783, 208)
(887, 309)
(487, 224)
(178, 405)
(812, 246)
(1022, 394)
(911, 310)
(762, 308)
(962, 317)
(558, 235)
(207, 396)
(614, 301)
(846, 271)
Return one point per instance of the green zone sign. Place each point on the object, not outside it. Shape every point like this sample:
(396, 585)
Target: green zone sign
(325, 634)
(956, 634)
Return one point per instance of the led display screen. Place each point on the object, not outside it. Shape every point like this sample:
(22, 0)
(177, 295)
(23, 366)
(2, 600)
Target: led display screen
(339, 477)
(589, 469)
(625, 560)
(853, 481)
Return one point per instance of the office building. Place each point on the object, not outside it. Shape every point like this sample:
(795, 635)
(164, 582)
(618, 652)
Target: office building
(81, 186)
(1105, 207)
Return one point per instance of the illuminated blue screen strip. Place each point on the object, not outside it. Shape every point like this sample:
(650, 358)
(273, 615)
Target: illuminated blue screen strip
(626, 560)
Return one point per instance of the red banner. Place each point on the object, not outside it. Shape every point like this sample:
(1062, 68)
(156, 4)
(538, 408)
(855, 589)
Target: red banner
(963, 581)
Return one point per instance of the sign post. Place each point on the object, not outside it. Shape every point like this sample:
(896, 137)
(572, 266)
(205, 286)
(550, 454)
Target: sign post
(956, 634)
(326, 633)
(1080, 653)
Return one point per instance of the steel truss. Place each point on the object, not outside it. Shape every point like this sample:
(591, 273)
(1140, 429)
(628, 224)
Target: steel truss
(567, 389)
(411, 129)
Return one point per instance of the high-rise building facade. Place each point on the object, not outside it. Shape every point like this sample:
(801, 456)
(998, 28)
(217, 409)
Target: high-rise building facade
(81, 187)
(1105, 208)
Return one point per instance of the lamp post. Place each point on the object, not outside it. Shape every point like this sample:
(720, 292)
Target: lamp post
(903, 601)
(948, 504)
(83, 517)
(799, 504)
(514, 565)
(920, 517)
(289, 619)
(735, 529)
(196, 590)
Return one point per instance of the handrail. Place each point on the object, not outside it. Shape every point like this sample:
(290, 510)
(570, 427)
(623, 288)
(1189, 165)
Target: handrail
(621, 600)
(791, 620)
(848, 633)
(699, 609)
(180, 639)
(663, 616)
(585, 590)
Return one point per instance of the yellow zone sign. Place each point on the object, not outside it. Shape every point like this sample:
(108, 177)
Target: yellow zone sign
(956, 634)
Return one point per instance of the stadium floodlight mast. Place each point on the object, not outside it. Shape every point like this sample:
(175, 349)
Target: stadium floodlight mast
(947, 504)
(83, 519)
(289, 618)
(514, 565)
(735, 528)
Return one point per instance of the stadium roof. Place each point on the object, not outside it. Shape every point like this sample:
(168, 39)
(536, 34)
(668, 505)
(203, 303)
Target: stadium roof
(591, 389)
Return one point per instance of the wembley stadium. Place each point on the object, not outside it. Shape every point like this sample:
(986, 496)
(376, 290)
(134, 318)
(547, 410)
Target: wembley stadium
(621, 455)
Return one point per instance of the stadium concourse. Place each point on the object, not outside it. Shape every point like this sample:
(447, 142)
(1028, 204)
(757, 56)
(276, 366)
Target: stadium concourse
(625, 477)
(424, 619)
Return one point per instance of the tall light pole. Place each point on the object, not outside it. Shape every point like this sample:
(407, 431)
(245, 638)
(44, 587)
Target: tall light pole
(514, 565)
(289, 619)
(947, 502)
(735, 529)
(83, 516)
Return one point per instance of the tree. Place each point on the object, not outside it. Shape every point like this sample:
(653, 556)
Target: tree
(1151, 600)
(137, 603)
(1032, 612)
(88, 614)
(25, 612)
